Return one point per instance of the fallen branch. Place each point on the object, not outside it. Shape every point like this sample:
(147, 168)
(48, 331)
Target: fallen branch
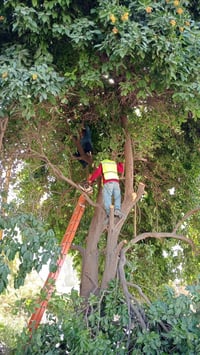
(122, 262)
(128, 296)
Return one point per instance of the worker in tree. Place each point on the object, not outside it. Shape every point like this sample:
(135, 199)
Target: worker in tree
(86, 144)
(108, 170)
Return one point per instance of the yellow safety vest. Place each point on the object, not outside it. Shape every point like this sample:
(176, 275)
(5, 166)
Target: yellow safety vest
(109, 168)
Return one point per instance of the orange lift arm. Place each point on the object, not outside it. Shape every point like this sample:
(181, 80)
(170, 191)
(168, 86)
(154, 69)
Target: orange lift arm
(49, 285)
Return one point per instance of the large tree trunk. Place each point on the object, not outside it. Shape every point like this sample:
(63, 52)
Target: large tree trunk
(130, 199)
(90, 271)
(89, 279)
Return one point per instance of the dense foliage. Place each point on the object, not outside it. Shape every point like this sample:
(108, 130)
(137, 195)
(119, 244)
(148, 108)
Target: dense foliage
(26, 238)
(104, 328)
(65, 63)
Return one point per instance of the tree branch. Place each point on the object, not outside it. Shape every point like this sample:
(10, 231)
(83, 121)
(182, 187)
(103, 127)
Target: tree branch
(3, 126)
(83, 155)
(127, 295)
(58, 173)
(147, 301)
(158, 236)
(142, 295)
(78, 248)
(187, 215)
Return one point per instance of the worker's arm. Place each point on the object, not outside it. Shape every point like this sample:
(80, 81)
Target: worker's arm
(120, 168)
(97, 173)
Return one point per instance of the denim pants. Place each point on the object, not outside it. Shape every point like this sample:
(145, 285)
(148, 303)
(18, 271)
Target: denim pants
(111, 190)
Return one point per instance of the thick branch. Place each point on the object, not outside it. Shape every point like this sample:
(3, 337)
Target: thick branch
(158, 236)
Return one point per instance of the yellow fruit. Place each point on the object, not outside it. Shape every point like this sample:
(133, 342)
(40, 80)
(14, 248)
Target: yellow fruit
(176, 2)
(179, 11)
(124, 17)
(112, 18)
(115, 30)
(2, 18)
(34, 76)
(4, 75)
(173, 23)
(148, 9)
(181, 29)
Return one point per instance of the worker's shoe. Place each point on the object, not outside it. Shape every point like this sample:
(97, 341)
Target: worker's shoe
(118, 213)
(86, 187)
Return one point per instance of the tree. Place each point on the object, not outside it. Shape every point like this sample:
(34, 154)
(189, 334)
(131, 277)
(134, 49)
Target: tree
(130, 70)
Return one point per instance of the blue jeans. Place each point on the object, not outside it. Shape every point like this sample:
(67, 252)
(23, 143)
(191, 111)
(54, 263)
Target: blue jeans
(111, 190)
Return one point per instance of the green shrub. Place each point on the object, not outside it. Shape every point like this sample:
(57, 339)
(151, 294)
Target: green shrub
(102, 326)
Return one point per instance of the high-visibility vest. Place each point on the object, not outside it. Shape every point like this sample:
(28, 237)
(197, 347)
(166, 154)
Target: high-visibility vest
(109, 168)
